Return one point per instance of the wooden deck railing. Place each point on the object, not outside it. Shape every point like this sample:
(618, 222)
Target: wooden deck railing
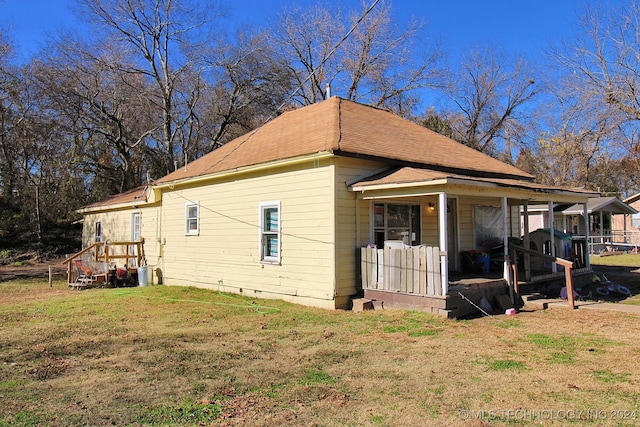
(413, 270)
(130, 254)
(568, 270)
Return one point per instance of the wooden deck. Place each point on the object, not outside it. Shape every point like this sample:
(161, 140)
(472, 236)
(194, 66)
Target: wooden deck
(101, 259)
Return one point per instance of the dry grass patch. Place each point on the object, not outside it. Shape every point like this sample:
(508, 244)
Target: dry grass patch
(184, 356)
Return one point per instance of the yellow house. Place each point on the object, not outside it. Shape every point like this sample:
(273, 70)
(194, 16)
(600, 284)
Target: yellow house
(283, 211)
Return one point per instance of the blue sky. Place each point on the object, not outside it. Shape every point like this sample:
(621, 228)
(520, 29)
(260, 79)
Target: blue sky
(521, 27)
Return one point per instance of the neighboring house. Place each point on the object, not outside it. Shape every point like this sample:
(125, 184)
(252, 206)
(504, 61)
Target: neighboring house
(283, 211)
(606, 223)
(609, 220)
(629, 225)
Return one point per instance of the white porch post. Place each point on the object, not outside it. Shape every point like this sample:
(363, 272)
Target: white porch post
(601, 228)
(506, 274)
(585, 215)
(552, 236)
(444, 242)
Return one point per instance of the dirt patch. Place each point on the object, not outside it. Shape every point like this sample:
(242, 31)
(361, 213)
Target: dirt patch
(32, 270)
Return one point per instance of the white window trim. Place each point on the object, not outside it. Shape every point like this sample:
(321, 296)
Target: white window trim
(98, 237)
(134, 216)
(187, 231)
(263, 258)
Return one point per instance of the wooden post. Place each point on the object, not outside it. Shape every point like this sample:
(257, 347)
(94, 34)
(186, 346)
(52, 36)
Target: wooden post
(50, 278)
(568, 266)
(568, 276)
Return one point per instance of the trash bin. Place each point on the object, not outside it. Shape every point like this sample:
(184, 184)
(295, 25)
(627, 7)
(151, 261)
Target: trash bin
(142, 276)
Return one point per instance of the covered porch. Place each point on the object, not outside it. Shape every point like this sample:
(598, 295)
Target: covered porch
(600, 224)
(423, 227)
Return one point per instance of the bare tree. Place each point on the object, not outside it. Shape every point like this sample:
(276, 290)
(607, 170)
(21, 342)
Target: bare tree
(247, 86)
(385, 64)
(604, 57)
(107, 112)
(364, 57)
(576, 147)
(602, 67)
(161, 37)
(304, 39)
(489, 96)
(10, 116)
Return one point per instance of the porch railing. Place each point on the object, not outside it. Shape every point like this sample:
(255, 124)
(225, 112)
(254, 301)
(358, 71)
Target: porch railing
(615, 239)
(413, 270)
(129, 253)
(568, 271)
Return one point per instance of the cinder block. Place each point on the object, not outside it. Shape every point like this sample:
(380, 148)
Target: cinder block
(361, 304)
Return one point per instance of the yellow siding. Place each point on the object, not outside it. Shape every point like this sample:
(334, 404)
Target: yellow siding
(117, 226)
(430, 222)
(349, 234)
(226, 253)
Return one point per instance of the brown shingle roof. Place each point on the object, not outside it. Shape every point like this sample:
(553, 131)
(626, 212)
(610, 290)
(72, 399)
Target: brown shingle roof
(132, 196)
(345, 128)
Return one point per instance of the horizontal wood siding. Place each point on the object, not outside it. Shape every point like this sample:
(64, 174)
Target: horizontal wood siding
(347, 242)
(116, 226)
(226, 252)
(430, 222)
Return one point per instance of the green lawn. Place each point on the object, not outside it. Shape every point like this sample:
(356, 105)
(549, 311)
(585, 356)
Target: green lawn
(622, 260)
(167, 356)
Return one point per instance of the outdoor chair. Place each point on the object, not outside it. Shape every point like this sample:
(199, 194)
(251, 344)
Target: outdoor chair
(87, 277)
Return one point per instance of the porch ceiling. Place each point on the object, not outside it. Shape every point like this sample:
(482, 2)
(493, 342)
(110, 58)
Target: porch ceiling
(410, 181)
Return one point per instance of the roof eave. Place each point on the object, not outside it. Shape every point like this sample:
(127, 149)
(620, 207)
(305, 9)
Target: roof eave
(246, 169)
(563, 193)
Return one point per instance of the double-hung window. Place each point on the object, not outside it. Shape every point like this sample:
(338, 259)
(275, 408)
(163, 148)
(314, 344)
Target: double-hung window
(270, 232)
(192, 220)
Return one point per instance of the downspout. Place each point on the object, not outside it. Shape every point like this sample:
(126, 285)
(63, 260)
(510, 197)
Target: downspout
(444, 243)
